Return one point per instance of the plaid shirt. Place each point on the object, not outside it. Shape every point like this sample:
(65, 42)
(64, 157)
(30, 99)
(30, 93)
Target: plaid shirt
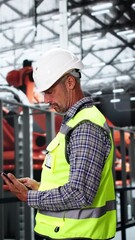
(87, 150)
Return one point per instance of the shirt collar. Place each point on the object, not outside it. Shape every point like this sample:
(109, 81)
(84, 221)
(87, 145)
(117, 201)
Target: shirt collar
(82, 103)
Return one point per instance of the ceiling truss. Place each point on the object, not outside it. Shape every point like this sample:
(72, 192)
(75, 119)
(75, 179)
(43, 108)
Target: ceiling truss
(106, 59)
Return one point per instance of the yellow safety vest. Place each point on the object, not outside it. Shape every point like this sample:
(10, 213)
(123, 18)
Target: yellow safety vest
(98, 221)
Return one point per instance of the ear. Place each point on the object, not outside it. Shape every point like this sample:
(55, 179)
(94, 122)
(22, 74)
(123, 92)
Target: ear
(70, 82)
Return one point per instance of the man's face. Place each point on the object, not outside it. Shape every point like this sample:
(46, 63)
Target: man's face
(57, 96)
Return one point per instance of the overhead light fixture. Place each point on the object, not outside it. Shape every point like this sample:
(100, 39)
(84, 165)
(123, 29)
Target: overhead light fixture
(101, 6)
(127, 60)
(24, 28)
(23, 23)
(97, 93)
(131, 35)
(100, 41)
(115, 100)
(122, 77)
(100, 64)
(118, 90)
(90, 38)
(125, 32)
(132, 99)
(133, 6)
(56, 17)
(100, 12)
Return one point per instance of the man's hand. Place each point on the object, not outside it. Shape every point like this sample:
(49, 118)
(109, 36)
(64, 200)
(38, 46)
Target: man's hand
(30, 183)
(16, 187)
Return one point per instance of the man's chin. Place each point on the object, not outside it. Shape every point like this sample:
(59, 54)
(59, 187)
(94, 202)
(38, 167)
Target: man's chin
(57, 109)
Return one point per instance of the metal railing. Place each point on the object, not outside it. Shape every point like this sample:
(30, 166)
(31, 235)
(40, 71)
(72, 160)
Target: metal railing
(17, 219)
(124, 174)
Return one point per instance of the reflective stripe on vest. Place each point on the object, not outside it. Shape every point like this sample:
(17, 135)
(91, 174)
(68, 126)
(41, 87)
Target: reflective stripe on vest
(83, 213)
(65, 129)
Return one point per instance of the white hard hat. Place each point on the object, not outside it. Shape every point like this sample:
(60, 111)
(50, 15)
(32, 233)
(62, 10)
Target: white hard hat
(52, 65)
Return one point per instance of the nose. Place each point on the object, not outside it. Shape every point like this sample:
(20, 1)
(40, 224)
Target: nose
(47, 98)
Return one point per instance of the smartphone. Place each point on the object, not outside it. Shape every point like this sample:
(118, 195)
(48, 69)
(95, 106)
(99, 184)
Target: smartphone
(3, 173)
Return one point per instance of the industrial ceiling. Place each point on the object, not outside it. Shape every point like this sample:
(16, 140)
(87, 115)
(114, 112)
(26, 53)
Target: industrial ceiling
(101, 33)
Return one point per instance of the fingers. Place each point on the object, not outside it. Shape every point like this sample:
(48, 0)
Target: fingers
(5, 175)
(24, 180)
(30, 183)
(11, 177)
(6, 178)
(27, 182)
(15, 186)
(13, 180)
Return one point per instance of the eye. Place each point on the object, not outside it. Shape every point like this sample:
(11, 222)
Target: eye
(49, 91)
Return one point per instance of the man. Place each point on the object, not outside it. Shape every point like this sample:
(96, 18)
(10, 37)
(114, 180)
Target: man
(76, 198)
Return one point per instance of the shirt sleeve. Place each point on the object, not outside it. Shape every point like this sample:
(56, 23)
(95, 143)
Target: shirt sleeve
(87, 150)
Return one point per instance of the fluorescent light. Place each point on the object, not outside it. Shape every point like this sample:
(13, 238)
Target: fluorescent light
(96, 102)
(90, 38)
(133, 6)
(122, 77)
(100, 41)
(131, 35)
(100, 12)
(115, 100)
(132, 99)
(101, 6)
(30, 28)
(56, 17)
(127, 60)
(125, 32)
(100, 64)
(118, 90)
(23, 24)
(97, 93)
